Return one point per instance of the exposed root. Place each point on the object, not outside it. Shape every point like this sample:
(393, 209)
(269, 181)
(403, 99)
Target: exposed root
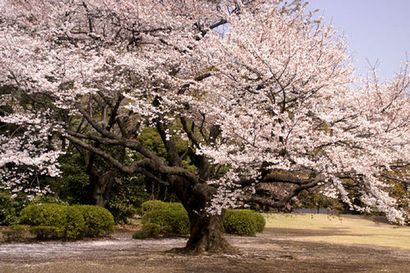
(206, 248)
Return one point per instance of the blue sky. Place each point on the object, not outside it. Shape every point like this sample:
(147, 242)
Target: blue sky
(375, 30)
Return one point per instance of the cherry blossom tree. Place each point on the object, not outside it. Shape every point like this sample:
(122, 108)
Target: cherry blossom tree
(117, 66)
(266, 100)
(26, 146)
(286, 106)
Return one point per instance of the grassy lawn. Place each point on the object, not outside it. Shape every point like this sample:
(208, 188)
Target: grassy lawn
(348, 230)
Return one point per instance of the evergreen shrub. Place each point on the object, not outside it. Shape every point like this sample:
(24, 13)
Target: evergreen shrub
(74, 225)
(153, 205)
(163, 219)
(45, 215)
(9, 208)
(243, 222)
(98, 221)
(55, 221)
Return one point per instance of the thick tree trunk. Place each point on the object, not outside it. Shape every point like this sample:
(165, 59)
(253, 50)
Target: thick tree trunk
(101, 187)
(206, 231)
(206, 234)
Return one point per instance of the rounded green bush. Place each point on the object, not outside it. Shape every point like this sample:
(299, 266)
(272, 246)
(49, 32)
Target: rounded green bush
(152, 230)
(243, 222)
(52, 221)
(239, 222)
(75, 226)
(98, 221)
(260, 222)
(45, 215)
(171, 221)
(179, 220)
(164, 219)
(152, 205)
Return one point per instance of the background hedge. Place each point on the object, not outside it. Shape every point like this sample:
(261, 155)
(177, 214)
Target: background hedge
(56, 221)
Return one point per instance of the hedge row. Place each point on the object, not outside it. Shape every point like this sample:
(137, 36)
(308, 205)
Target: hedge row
(55, 221)
(171, 219)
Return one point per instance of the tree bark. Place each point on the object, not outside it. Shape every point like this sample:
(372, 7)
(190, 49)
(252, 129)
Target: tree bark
(101, 187)
(206, 230)
(206, 234)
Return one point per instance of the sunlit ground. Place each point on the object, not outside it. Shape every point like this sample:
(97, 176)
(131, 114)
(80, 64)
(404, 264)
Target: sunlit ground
(348, 230)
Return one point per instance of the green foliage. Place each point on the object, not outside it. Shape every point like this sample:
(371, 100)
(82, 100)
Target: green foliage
(243, 222)
(398, 189)
(98, 221)
(314, 200)
(150, 138)
(47, 199)
(172, 221)
(239, 223)
(152, 230)
(187, 163)
(73, 185)
(52, 221)
(127, 192)
(9, 209)
(149, 230)
(260, 222)
(44, 215)
(152, 205)
(127, 195)
(20, 228)
(74, 225)
(163, 219)
(121, 210)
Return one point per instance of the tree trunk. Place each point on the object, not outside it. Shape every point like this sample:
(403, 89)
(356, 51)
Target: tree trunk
(206, 234)
(101, 187)
(206, 231)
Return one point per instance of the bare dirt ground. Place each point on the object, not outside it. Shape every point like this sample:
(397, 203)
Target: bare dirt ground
(272, 251)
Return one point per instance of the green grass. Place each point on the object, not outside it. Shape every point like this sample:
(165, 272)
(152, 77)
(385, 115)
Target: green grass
(349, 230)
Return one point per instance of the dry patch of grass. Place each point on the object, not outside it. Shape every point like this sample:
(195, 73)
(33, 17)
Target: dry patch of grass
(347, 230)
